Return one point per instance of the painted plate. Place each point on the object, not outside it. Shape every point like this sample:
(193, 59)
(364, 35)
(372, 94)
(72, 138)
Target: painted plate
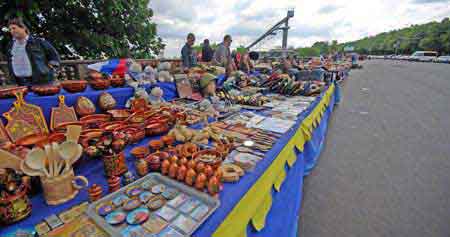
(105, 209)
(138, 216)
(116, 217)
(133, 191)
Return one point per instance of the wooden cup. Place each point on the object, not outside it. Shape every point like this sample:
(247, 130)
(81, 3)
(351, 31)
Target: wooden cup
(63, 188)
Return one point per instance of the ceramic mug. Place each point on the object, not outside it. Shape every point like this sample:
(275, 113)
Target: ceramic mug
(62, 188)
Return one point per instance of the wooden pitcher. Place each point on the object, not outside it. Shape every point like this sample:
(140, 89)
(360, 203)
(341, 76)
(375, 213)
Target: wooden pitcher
(63, 188)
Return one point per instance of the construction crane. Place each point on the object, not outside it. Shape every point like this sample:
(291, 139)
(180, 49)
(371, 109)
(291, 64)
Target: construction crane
(281, 25)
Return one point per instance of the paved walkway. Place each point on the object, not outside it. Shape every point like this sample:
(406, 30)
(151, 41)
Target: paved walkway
(385, 169)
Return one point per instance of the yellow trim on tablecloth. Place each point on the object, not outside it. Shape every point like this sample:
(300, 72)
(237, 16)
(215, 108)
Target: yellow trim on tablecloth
(256, 203)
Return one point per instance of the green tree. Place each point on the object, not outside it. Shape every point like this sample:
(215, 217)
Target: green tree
(88, 28)
(308, 52)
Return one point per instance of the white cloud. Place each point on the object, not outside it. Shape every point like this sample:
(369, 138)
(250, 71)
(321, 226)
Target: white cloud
(344, 20)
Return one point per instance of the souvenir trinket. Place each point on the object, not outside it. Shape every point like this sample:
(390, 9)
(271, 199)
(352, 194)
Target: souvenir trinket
(117, 80)
(145, 196)
(105, 209)
(159, 188)
(100, 84)
(114, 164)
(62, 188)
(134, 231)
(128, 178)
(9, 92)
(177, 201)
(141, 167)
(213, 186)
(181, 175)
(200, 212)
(106, 101)
(24, 119)
(46, 90)
(83, 227)
(167, 213)
(42, 228)
(16, 205)
(189, 205)
(200, 181)
(133, 191)
(184, 223)
(140, 152)
(138, 216)
(165, 165)
(62, 114)
(84, 106)
(155, 224)
(191, 176)
(170, 193)
(148, 184)
(3, 135)
(74, 86)
(169, 231)
(231, 172)
(95, 192)
(53, 221)
(120, 200)
(173, 169)
(116, 217)
(114, 184)
(155, 203)
(131, 204)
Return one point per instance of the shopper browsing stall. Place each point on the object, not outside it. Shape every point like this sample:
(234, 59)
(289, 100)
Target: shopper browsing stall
(188, 57)
(31, 60)
(207, 51)
(222, 55)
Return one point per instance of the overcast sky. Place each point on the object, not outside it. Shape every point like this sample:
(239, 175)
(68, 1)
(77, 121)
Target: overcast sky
(318, 20)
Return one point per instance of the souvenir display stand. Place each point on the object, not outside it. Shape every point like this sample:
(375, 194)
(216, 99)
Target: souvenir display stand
(265, 201)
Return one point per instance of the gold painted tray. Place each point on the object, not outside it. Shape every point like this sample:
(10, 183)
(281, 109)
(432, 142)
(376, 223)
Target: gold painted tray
(24, 119)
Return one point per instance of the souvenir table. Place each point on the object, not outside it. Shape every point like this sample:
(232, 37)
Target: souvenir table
(265, 202)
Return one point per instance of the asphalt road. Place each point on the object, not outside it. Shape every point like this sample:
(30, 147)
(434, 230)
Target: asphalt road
(385, 169)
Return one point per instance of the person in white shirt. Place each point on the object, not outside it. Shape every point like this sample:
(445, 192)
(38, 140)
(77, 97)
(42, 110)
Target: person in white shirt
(31, 60)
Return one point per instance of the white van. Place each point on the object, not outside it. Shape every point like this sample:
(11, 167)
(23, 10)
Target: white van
(424, 56)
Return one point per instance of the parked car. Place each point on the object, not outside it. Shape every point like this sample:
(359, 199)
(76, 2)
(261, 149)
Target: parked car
(443, 59)
(424, 56)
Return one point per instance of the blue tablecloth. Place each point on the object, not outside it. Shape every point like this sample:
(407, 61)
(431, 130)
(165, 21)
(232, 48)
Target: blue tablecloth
(120, 94)
(282, 220)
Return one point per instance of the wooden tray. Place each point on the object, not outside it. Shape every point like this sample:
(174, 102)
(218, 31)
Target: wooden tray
(24, 119)
(3, 135)
(62, 114)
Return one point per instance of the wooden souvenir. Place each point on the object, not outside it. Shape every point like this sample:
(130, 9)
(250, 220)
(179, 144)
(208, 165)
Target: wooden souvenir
(141, 167)
(106, 101)
(24, 119)
(62, 188)
(3, 135)
(184, 86)
(62, 114)
(138, 105)
(114, 184)
(115, 165)
(15, 207)
(83, 227)
(95, 192)
(84, 106)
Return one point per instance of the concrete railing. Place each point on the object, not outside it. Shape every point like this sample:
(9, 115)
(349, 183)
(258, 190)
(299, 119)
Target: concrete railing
(77, 69)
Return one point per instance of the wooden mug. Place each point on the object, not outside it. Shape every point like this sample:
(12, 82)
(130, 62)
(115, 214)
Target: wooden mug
(62, 188)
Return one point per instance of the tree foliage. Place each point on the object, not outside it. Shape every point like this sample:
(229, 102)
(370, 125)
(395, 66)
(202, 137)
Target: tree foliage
(88, 28)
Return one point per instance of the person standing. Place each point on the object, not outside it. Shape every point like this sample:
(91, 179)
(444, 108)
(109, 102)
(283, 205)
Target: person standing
(222, 55)
(31, 60)
(188, 56)
(207, 51)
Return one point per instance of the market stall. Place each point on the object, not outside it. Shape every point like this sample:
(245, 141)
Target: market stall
(260, 197)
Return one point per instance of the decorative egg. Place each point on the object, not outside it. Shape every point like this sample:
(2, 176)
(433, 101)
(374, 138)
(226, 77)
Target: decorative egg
(200, 181)
(84, 106)
(165, 165)
(213, 185)
(190, 177)
(106, 101)
(181, 175)
(173, 170)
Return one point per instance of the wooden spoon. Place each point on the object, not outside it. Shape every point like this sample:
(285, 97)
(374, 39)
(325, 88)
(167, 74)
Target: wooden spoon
(35, 159)
(73, 133)
(51, 162)
(69, 151)
(30, 172)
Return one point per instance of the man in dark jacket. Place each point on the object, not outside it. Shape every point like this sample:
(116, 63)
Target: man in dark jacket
(31, 60)
(188, 57)
(207, 51)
